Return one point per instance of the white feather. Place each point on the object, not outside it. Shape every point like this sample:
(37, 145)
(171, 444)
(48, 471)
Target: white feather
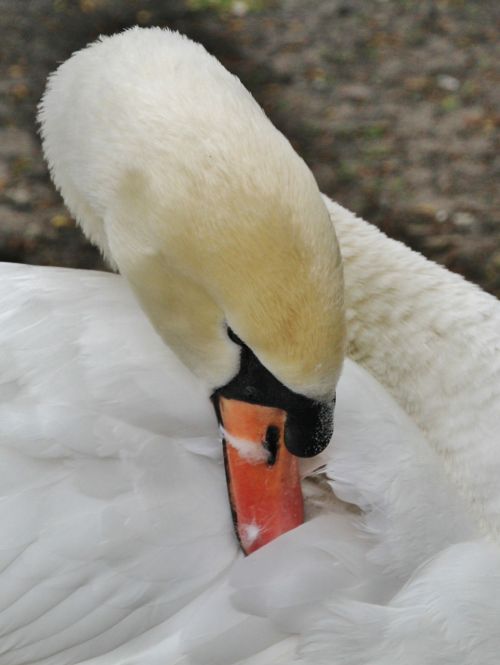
(117, 542)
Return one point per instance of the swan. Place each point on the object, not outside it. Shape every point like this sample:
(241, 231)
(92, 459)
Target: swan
(117, 537)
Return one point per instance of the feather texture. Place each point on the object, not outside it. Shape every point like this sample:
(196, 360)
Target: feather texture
(433, 340)
(117, 542)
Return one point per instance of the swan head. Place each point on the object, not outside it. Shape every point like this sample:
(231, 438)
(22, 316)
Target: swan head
(174, 171)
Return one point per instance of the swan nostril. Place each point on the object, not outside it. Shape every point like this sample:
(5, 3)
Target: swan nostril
(271, 444)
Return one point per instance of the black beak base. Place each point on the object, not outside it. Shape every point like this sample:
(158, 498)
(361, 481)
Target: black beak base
(309, 423)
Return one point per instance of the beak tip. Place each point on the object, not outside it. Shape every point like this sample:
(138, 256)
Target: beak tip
(263, 478)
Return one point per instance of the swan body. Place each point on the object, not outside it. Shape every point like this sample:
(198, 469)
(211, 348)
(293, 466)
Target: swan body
(106, 559)
(105, 555)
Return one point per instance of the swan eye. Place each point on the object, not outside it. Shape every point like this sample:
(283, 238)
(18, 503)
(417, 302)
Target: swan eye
(251, 393)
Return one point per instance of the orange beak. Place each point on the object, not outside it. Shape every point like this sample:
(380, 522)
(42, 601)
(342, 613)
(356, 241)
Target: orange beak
(262, 476)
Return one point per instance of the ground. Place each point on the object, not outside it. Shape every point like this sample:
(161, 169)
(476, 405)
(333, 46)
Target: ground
(394, 104)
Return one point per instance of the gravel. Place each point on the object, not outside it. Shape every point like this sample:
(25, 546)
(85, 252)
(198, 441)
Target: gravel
(394, 105)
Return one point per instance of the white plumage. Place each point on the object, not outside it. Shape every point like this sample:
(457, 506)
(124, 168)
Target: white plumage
(116, 539)
(103, 431)
(433, 340)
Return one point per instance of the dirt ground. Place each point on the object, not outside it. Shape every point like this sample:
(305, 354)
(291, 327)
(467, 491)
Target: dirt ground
(393, 103)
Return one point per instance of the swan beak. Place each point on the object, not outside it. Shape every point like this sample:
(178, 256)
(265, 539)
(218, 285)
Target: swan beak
(262, 475)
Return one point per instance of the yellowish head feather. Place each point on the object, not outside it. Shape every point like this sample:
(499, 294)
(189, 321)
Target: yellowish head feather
(175, 172)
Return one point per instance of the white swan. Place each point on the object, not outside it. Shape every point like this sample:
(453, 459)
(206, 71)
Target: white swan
(116, 536)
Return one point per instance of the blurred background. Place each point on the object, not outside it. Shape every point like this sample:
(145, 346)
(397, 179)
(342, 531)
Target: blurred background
(394, 104)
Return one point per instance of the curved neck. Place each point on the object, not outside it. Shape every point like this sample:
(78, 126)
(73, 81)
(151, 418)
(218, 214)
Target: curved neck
(433, 340)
